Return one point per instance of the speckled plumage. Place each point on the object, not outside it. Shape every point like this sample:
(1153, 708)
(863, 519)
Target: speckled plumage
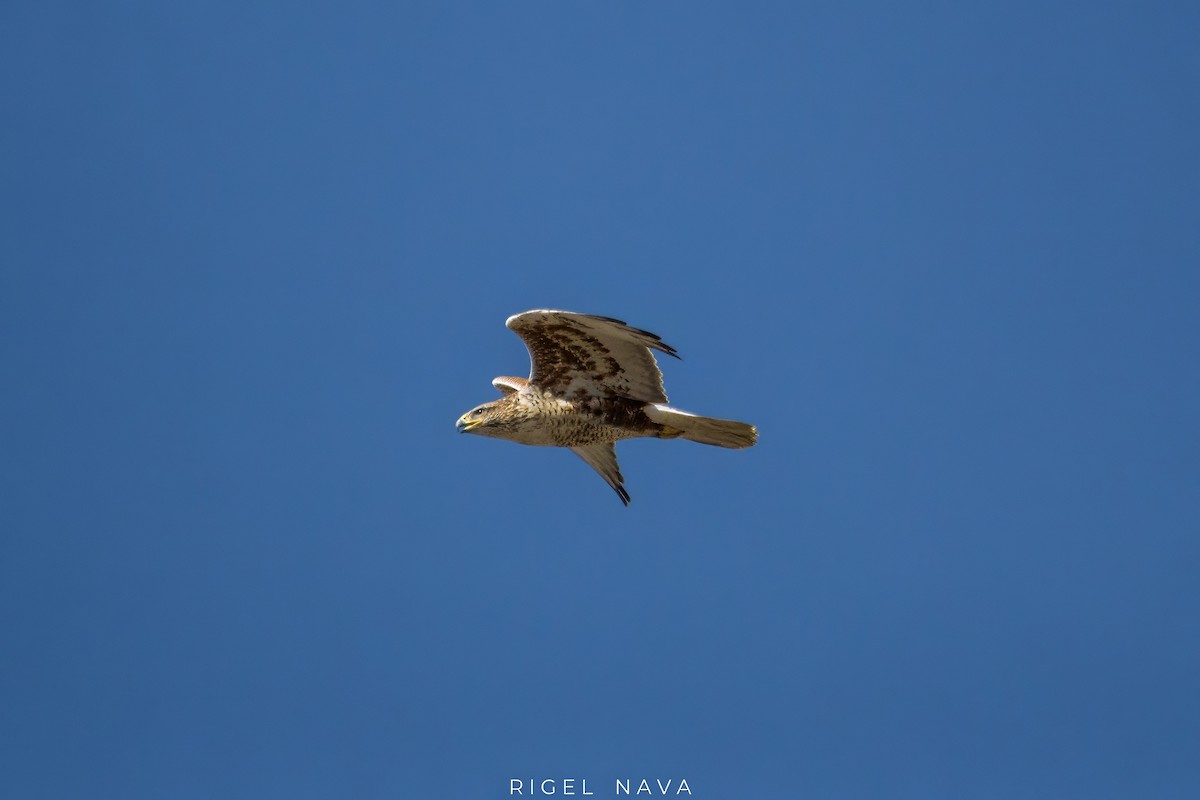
(540, 418)
(593, 382)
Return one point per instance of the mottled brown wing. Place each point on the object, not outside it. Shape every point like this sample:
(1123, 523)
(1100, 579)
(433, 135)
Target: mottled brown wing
(577, 356)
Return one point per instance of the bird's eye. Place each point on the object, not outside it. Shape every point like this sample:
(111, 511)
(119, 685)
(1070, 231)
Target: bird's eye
(478, 411)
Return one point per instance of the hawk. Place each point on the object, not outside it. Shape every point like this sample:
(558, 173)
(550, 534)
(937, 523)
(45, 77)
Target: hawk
(593, 382)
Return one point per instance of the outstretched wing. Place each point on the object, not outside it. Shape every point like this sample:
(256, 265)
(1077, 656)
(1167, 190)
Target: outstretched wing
(603, 459)
(579, 356)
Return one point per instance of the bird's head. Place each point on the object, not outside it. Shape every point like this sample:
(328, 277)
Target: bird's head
(483, 420)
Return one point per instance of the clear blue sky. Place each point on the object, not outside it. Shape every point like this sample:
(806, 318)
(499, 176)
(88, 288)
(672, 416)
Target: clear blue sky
(256, 258)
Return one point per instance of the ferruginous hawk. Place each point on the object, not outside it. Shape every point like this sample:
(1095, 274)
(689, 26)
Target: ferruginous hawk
(594, 381)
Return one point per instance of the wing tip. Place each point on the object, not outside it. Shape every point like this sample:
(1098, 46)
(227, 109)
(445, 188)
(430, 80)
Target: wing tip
(655, 342)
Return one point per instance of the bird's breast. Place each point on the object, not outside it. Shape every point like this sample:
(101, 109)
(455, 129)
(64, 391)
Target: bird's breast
(545, 420)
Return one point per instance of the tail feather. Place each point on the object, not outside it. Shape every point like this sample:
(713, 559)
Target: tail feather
(706, 430)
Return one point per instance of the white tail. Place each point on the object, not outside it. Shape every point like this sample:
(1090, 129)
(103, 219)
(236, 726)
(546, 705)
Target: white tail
(706, 430)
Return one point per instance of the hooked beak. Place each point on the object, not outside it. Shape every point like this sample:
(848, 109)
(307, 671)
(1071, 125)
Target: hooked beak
(465, 424)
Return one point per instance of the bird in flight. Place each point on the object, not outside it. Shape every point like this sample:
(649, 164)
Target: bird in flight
(593, 382)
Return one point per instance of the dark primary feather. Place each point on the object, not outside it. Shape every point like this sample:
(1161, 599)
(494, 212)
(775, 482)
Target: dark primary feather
(603, 458)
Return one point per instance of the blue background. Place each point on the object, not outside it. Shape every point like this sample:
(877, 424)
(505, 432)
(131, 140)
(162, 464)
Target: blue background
(256, 258)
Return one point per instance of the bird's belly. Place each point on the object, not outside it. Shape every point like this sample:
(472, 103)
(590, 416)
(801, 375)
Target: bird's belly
(569, 431)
